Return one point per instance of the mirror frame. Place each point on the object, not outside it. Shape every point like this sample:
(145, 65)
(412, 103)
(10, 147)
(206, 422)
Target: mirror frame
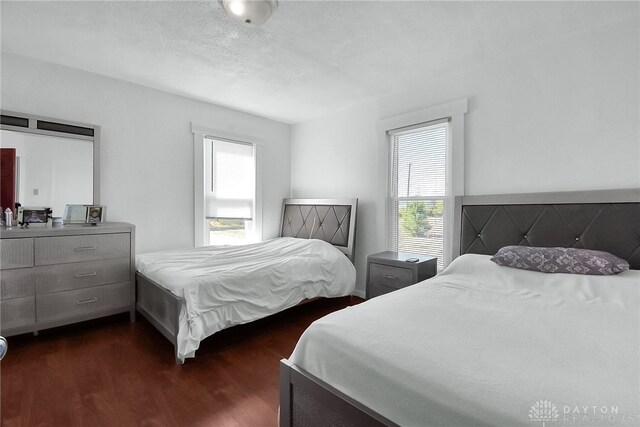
(39, 125)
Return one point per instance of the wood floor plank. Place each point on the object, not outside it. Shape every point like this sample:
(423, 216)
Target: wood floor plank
(110, 372)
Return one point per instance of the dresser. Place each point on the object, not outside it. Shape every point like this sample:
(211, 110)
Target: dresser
(55, 276)
(389, 271)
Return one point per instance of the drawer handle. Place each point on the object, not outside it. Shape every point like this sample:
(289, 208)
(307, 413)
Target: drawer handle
(388, 276)
(86, 301)
(86, 248)
(79, 275)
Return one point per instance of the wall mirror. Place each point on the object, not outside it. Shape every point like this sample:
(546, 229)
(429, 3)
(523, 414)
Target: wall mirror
(48, 162)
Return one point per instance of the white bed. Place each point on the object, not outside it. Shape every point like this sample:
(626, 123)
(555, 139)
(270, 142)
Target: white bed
(490, 342)
(222, 286)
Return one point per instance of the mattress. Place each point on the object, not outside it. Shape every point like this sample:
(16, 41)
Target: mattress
(222, 286)
(481, 344)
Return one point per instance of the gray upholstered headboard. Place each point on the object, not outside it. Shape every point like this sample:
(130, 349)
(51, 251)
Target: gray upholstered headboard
(601, 220)
(331, 220)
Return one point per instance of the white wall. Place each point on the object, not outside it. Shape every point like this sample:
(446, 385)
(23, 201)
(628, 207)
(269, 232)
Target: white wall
(146, 144)
(563, 116)
(335, 157)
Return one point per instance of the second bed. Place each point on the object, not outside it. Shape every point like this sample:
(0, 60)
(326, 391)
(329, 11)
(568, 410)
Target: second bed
(191, 294)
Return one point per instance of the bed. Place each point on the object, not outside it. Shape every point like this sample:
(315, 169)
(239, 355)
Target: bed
(191, 294)
(482, 344)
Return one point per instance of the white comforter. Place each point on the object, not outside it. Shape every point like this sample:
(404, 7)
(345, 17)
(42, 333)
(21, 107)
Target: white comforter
(224, 286)
(481, 344)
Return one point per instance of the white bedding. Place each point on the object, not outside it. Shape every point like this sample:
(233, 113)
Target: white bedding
(479, 344)
(224, 286)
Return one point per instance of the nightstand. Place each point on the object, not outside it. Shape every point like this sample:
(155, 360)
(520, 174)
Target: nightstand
(389, 271)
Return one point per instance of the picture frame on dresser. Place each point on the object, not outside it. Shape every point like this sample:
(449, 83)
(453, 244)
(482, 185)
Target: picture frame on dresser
(95, 214)
(33, 215)
(75, 214)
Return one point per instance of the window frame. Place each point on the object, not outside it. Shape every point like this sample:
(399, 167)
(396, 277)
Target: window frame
(454, 111)
(200, 136)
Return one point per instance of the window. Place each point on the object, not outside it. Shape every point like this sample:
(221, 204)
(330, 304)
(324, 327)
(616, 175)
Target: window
(230, 192)
(419, 189)
(422, 171)
(227, 202)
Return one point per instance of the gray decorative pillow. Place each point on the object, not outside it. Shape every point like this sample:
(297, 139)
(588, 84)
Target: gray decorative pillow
(560, 260)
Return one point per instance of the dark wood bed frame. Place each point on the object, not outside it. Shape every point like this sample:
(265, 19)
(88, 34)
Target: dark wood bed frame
(602, 220)
(331, 220)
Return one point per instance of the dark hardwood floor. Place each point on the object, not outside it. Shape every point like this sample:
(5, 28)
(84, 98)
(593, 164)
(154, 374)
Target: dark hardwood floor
(110, 372)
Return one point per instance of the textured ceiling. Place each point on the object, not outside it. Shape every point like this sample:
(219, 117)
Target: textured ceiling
(310, 58)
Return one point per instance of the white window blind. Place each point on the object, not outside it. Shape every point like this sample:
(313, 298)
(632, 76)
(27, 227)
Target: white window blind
(419, 189)
(231, 188)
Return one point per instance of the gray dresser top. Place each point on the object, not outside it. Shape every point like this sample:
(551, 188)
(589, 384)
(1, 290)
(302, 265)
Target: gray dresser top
(66, 230)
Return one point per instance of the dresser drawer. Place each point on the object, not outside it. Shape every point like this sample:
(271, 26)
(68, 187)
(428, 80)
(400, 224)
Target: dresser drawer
(17, 283)
(16, 253)
(83, 303)
(17, 313)
(77, 275)
(387, 275)
(55, 250)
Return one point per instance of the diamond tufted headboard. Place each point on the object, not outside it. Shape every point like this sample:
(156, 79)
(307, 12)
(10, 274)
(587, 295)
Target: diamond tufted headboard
(331, 220)
(600, 220)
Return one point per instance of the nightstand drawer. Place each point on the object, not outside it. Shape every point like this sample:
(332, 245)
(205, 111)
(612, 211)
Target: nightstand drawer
(376, 290)
(387, 275)
(55, 250)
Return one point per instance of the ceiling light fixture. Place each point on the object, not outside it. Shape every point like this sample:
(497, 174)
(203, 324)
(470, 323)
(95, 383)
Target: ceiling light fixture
(250, 13)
